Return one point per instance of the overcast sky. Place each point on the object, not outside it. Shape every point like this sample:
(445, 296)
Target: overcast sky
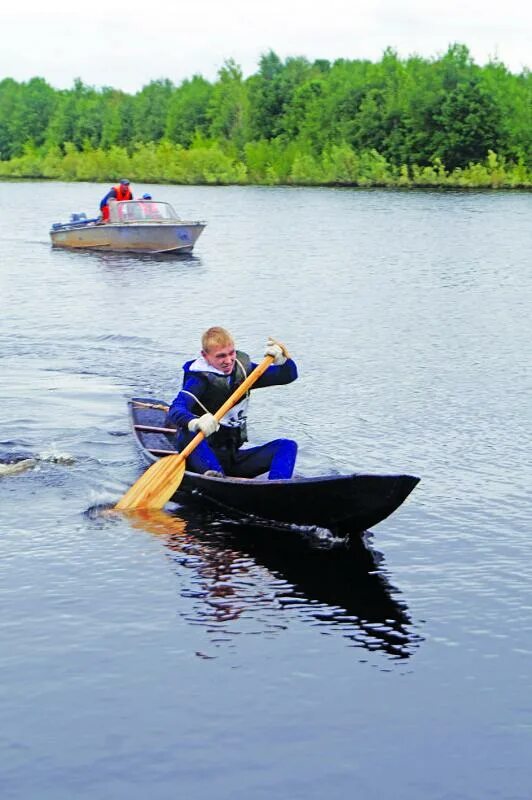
(128, 44)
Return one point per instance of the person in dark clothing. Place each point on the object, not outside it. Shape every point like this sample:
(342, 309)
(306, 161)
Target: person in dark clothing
(207, 383)
(119, 192)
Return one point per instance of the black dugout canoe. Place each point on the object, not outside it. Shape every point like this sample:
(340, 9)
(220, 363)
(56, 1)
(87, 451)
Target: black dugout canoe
(341, 503)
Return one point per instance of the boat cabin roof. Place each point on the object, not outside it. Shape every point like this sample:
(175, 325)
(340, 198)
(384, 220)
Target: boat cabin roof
(135, 211)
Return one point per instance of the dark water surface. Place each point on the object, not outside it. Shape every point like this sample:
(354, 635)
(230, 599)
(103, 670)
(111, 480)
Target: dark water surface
(212, 660)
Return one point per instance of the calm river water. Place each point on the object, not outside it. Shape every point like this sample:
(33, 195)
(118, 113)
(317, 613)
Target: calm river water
(217, 661)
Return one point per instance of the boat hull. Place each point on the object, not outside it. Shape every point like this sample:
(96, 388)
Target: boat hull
(142, 238)
(342, 503)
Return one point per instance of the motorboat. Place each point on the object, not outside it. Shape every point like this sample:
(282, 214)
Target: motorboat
(139, 226)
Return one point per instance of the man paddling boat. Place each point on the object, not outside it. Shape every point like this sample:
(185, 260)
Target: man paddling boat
(207, 383)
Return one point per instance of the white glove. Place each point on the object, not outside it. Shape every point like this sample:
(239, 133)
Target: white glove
(207, 424)
(277, 350)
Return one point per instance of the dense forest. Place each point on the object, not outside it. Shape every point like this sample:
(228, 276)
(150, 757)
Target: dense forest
(399, 122)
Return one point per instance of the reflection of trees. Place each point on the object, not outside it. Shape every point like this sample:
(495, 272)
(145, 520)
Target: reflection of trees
(336, 586)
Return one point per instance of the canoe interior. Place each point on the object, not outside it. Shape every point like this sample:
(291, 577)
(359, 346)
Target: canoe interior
(341, 503)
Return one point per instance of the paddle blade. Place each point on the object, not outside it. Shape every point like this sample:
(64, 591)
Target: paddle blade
(156, 486)
(159, 523)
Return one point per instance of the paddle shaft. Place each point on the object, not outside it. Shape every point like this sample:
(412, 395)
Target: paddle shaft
(156, 486)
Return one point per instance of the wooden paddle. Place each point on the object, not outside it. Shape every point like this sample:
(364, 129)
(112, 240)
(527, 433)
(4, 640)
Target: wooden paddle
(157, 485)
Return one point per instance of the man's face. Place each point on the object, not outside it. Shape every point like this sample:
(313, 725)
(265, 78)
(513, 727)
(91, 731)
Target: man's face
(222, 358)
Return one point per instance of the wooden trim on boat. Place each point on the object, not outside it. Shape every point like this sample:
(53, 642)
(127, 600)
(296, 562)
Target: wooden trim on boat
(154, 429)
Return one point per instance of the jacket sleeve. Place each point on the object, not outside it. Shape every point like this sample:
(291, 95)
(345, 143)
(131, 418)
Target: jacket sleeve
(180, 412)
(277, 376)
(105, 200)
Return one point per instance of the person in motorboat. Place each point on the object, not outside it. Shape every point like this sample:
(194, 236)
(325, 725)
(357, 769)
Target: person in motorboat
(150, 210)
(119, 192)
(208, 382)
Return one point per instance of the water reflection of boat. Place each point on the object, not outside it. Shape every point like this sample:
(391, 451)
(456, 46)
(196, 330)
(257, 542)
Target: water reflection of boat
(337, 586)
(140, 226)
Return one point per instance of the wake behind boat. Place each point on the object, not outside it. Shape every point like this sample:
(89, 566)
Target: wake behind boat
(342, 503)
(140, 226)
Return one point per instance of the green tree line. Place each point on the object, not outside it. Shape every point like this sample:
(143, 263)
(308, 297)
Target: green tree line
(444, 121)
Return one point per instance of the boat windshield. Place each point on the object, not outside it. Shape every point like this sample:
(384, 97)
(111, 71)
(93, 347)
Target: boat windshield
(141, 211)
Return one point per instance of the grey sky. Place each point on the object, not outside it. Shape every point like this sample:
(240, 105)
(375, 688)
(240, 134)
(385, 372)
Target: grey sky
(127, 44)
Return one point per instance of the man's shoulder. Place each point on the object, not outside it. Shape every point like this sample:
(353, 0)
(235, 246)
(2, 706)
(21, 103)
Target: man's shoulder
(192, 375)
(243, 358)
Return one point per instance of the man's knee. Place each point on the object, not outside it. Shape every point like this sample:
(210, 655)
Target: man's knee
(283, 460)
(285, 445)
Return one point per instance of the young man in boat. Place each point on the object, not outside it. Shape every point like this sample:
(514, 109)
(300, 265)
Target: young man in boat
(119, 192)
(207, 383)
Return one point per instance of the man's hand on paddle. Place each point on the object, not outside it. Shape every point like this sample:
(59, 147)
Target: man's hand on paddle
(207, 424)
(277, 350)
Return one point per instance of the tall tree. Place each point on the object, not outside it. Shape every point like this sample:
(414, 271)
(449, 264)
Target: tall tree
(228, 106)
(188, 111)
(150, 109)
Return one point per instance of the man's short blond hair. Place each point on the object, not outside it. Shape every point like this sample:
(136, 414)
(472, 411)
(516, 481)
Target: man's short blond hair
(216, 337)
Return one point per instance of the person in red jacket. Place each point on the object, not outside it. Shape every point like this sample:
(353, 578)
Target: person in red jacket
(119, 192)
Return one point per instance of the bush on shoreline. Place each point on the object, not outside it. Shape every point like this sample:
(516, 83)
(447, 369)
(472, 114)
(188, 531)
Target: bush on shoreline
(264, 163)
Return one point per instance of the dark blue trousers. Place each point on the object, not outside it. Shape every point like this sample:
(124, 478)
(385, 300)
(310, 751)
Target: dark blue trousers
(277, 458)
